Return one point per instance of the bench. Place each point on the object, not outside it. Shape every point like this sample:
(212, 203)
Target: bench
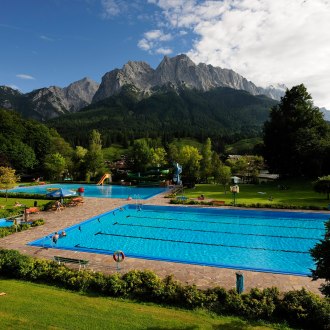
(65, 260)
(215, 202)
(182, 198)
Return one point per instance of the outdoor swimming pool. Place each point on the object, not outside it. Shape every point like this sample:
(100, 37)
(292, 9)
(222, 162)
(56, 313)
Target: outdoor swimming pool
(92, 190)
(6, 223)
(267, 241)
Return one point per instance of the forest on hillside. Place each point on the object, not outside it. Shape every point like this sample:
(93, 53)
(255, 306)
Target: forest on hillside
(221, 114)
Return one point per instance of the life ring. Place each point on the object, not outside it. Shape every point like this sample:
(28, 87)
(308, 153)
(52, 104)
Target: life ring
(118, 256)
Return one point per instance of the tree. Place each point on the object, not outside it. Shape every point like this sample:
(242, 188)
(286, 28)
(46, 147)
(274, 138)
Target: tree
(55, 165)
(322, 185)
(19, 155)
(8, 179)
(189, 158)
(79, 163)
(206, 161)
(224, 176)
(296, 135)
(173, 153)
(216, 164)
(141, 155)
(94, 157)
(321, 255)
(158, 156)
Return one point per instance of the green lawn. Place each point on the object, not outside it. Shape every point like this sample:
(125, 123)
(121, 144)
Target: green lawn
(299, 193)
(33, 306)
(28, 202)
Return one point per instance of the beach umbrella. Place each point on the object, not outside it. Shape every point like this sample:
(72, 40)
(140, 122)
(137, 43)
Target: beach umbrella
(60, 193)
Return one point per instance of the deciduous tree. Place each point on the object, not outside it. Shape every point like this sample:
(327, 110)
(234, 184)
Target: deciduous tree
(8, 179)
(321, 255)
(189, 158)
(295, 136)
(206, 161)
(322, 185)
(55, 165)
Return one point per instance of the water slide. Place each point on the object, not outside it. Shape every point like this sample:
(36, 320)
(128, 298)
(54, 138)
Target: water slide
(177, 173)
(105, 176)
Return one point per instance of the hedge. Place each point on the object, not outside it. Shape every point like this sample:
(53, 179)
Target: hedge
(252, 205)
(5, 231)
(298, 308)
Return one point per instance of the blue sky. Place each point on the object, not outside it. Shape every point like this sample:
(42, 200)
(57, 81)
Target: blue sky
(57, 42)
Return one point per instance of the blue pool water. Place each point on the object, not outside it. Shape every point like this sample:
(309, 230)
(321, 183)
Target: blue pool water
(266, 241)
(91, 190)
(6, 223)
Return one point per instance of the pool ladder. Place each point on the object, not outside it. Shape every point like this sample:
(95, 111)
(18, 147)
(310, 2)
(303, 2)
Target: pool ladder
(138, 202)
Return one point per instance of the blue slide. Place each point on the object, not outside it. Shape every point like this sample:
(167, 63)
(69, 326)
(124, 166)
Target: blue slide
(177, 172)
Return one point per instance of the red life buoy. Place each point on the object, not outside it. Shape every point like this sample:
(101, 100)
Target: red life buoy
(81, 189)
(118, 256)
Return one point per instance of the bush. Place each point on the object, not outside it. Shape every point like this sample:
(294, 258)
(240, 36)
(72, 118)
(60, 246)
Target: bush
(299, 308)
(305, 309)
(143, 285)
(38, 222)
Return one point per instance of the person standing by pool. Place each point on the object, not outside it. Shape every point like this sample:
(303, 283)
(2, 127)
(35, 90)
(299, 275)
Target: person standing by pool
(58, 206)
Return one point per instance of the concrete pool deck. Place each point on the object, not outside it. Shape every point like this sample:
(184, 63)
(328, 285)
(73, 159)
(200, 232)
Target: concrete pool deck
(202, 276)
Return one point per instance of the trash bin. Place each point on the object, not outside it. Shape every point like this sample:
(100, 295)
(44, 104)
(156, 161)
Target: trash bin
(239, 282)
(35, 204)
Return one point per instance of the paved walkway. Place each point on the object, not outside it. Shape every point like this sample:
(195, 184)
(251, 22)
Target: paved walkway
(202, 276)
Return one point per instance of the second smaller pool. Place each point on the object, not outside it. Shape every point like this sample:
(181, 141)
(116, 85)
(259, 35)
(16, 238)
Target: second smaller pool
(92, 190)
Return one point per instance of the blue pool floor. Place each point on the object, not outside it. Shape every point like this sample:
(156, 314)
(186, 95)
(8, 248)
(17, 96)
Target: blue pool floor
(277, 242)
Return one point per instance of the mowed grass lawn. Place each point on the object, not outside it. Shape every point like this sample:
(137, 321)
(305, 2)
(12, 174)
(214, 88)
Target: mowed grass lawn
(10, 202)
(298, 193)
(33, 306)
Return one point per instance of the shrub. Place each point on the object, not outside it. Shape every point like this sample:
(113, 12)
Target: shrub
(191, 297)
(115, 286)
(38, 222)
(305, 309)
(13, 264)
(261, 304)
(143, 284)
(299, 308)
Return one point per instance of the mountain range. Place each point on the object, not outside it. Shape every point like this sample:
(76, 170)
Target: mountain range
(171, 74)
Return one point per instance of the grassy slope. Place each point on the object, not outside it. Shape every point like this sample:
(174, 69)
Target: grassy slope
(299, 193)
(34, 306)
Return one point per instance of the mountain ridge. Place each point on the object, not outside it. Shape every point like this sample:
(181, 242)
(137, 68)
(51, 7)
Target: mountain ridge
(177, 70)
(46, 103)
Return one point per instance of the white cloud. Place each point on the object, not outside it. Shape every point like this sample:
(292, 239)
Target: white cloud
(157, 35)
(25, 76)
(152, 41)
(266, 41)
(164, 51)
(46, 38)
(144, 44)
(111, 8)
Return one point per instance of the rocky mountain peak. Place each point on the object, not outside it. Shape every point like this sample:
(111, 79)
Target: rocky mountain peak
(80, 93)
(9, 97)
(177, 71)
